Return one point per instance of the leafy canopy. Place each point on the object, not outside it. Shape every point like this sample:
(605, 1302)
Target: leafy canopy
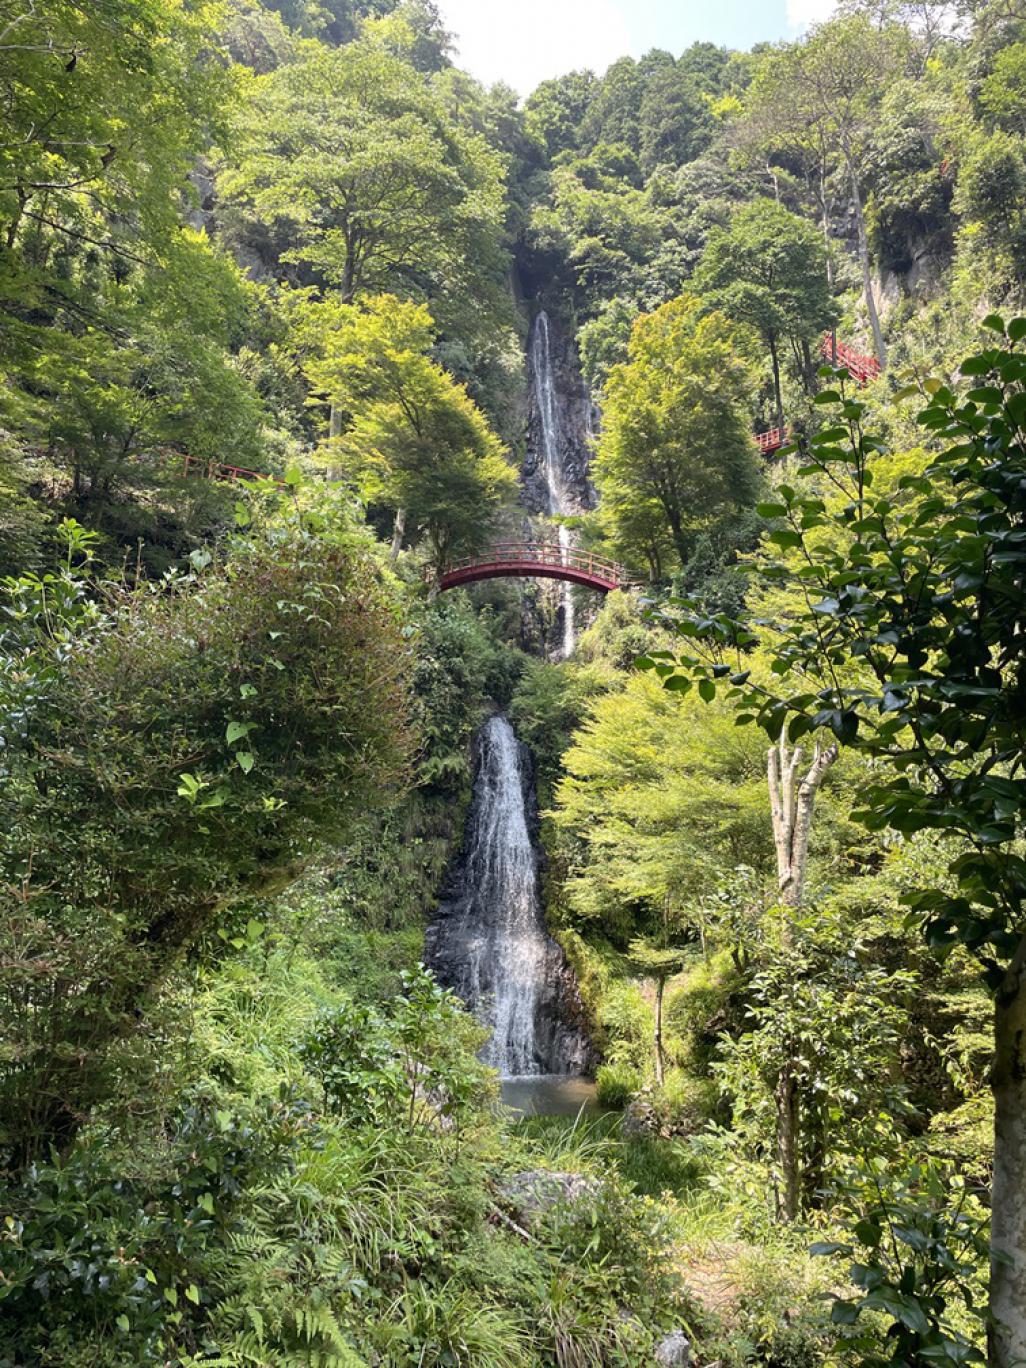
(414, 439)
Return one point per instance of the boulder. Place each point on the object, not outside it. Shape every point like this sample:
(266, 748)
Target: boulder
(536, 1191)
(674, 1351)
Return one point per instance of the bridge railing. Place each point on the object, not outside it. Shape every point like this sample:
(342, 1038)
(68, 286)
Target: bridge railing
(543, 553)
(217, 470)
(860, 365)
(773, 440)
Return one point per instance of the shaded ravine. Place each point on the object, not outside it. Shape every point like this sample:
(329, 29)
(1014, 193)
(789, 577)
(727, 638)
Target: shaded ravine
(489, 942)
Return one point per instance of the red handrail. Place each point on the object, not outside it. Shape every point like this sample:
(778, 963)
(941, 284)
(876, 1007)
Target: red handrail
(545, 552)
(502, 555)
(773, 440)
(217, 470)
(862, 367)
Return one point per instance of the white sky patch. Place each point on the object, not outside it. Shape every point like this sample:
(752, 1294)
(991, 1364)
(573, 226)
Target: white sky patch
(529, 41)
(802, 13)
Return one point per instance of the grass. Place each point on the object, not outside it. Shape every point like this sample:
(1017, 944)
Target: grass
(651, 1166)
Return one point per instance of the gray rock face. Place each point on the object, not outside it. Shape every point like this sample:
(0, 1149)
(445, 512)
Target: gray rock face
(674, 1351)
(536, 1191)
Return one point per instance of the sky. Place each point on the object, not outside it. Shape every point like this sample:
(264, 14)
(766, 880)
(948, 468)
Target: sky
(523, 42)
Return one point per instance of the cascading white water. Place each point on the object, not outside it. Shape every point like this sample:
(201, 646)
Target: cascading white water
(569, 634)
(489, 943)
(547, 404)
(548, 410)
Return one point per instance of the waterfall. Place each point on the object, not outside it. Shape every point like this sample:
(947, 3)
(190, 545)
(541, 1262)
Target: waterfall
(569, 637)
(544, 384)
(543, 374)
(489, 943)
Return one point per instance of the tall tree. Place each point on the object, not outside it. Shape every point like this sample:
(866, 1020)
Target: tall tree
(555, 110)
(823, 94)
(676, 122)
(792, 802)
(363, 172)
(906, 642)
(676, 427)
(411, 439)
(118, 330)
(767, 268)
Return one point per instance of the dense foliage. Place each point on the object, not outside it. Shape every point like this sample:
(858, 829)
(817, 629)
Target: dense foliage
(275, 240)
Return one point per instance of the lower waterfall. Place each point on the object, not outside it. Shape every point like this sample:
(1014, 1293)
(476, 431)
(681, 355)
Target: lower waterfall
(489, 942)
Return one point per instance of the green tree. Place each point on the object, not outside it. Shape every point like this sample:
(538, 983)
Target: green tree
(905, 642)
(612, 112)
(660, 962)
(413, 441)
(990, 196)
(604, 226)
(604, 339)
(119, 329)
(811, 1077)
(767, 269)
(366, 177)
(675, 438)
(823, 95)
(675, 118)
(106, 104)
(658, 799)
(555, 110)
(1004, 89)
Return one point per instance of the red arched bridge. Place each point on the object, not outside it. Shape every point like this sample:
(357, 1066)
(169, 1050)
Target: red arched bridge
(541, 560)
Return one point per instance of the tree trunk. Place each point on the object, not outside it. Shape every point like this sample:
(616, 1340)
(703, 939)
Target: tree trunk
(808, 368)
(398, 532)
(677, 528)
(660, 985)
(789, 1191)
(1008, 1198)
(791, 807)
(15, 224)
(335, 420)
(778, 397)
(867, 273)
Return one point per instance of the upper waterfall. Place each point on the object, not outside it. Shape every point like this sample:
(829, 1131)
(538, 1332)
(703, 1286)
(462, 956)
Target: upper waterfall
(560, 435)
(560, 423)
(543, 376)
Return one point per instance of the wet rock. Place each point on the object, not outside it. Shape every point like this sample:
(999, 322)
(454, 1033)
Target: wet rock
(674, 1351)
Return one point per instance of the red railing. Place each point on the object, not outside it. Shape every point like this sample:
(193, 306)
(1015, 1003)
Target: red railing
(860, 365)
(773, 440)
(537, 557)
(216, 470)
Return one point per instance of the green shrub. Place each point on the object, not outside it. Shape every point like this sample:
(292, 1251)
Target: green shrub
(615, 1084)
(629, 1024)
(682, 1105)
(179, 750)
